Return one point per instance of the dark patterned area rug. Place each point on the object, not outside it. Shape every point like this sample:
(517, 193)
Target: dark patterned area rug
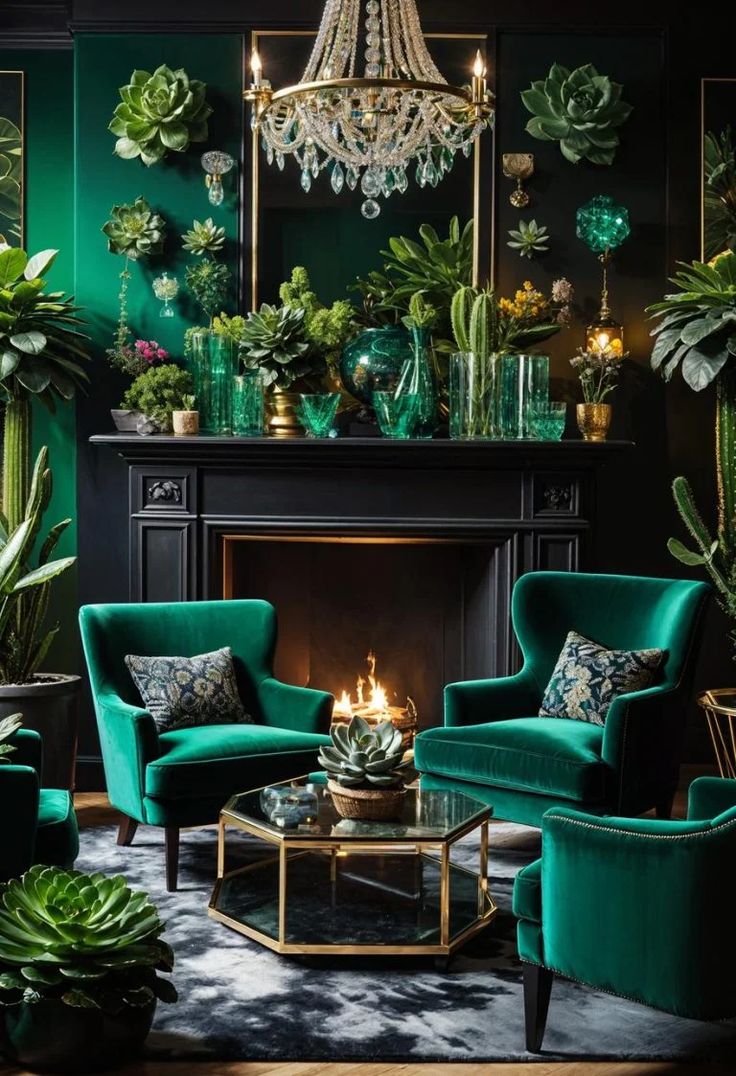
(239, 1001)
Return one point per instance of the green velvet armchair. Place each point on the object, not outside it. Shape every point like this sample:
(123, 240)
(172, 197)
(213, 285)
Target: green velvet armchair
(635, 907)
(493, 745)
(183, 778)
(39, 824)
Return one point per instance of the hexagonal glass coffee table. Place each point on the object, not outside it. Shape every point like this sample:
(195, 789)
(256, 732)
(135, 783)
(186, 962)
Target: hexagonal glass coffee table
(354, 887)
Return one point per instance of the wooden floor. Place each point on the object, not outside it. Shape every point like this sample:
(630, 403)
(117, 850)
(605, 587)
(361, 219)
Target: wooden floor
(94, 810)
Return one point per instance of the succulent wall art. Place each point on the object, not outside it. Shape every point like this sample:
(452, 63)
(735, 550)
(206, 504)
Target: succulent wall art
(11, 158)
(580, 109)
(529, 239)
(159, 112)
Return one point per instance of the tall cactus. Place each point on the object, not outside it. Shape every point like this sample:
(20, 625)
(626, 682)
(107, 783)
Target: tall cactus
(474, 323)
(16, 461)
(462, 304)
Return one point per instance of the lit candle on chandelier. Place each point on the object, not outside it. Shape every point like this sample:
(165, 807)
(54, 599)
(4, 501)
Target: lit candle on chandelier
(256, 67)
(479, 78)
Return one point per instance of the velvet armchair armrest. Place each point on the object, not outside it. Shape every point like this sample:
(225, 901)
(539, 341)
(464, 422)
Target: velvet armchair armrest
(300, 709)
(28, 750)
(640, 749)
(129, 742)
(628, 903)
(474, 702)
(709, 797)
(19, 793)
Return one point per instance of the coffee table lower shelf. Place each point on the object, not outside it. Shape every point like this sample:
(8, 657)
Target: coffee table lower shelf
(348, 898)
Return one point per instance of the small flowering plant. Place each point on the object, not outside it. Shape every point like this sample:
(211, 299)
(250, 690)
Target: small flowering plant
(531, 317)
(598, 372)
(136, 359)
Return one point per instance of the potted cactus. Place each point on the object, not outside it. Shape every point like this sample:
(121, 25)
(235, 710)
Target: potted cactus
(80, 956)
(365, 767)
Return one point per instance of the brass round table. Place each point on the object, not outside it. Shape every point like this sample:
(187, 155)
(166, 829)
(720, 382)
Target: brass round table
(720, 713)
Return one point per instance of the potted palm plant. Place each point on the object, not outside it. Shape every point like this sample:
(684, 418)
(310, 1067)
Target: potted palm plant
(42, 349)
(80, 956)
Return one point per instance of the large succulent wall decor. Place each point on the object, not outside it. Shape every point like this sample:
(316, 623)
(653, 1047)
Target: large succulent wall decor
(580, 109)
(159, 112)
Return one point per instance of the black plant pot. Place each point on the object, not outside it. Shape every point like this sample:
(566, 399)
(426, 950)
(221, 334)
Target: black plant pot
(49, 705)
(53, 1037)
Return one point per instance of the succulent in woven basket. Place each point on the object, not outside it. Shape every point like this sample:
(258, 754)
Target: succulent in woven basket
(365, 756)
(159, 112)
(580, 109)
(86, 940)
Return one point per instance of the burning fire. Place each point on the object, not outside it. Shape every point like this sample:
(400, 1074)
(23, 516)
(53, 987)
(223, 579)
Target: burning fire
(375, 704)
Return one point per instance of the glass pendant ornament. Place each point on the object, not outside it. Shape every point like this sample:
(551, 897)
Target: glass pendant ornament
(166, 289)
(217, 164)
(375, 121)
(603, 226)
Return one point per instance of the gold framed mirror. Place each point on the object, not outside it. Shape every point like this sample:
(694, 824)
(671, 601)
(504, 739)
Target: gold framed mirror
(325, 232)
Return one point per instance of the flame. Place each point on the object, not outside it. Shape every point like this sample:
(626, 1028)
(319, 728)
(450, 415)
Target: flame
(373, 702)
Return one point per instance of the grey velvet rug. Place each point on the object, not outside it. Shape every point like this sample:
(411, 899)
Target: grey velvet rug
(239, 1001)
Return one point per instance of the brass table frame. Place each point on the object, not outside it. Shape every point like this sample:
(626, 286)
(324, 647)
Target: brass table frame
(722, 728)
(339, 846)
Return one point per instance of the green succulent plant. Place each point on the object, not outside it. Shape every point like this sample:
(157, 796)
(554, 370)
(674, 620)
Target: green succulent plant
(580, 109)
(697, 323)
(209, 282)
(365, 756)
(11, 174)
(272, 340)
(134, 231)
(529, 239)
(158, 392)
(84, 939)
(204, 237)
(8, 727)
(719, 195)
(159, 112)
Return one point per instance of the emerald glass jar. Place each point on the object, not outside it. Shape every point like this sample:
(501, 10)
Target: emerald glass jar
(475, 397)
(417, 378)
(214, 364)
(524, 390)
(374, 360)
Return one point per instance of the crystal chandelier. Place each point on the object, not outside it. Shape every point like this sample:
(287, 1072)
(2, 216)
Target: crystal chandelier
(368, 129)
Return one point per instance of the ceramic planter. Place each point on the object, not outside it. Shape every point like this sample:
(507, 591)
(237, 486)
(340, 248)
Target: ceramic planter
(49, 705)
(53, 1037)
(126, 421)
(594, 420)
(185, 423)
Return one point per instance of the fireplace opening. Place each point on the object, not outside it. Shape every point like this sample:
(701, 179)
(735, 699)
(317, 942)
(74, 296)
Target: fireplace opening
(415, 613)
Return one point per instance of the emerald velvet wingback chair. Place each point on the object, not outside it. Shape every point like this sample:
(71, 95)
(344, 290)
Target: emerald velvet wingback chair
(183, 777)
(634, 907)
(39, 824)
(493, 745)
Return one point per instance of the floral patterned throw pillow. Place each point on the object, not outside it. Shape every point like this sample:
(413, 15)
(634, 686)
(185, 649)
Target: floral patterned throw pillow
(588, 677)
(182, 692)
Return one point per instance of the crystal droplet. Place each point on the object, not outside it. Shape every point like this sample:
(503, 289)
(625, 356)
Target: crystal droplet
(430, 173)
(402, 182)
(351, 177)
(337, 179)
(370, 209)
(306, 180)
(280, 161)
(315, 166)
(269, 154)
(421, 176)
(216, 195)
(370, 184)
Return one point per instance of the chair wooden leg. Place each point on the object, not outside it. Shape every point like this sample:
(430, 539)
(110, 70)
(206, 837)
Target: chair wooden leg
(126, 830)
(664, 810)
(172, 858)
(537, 990)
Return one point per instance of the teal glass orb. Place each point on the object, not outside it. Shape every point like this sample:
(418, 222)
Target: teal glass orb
(374, 361)
(602, 224)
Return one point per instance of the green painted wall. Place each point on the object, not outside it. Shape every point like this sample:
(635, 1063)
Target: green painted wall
(49, 169)
(175, 187)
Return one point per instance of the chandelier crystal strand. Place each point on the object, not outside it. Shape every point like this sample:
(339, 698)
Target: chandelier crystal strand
(366, 129)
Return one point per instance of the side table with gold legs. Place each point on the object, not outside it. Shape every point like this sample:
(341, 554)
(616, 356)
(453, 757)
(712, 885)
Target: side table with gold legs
(720, 713)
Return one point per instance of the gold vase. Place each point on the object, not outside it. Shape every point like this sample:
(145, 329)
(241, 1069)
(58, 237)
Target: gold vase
(282, 414)
(594, 420)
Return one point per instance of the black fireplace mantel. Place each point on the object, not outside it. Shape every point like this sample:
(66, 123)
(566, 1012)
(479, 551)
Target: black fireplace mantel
(532, 505)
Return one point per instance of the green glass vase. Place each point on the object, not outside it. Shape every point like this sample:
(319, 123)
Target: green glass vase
(417, 378)
(524, 390)
(373, 361)
(475, 397)
(213, 366)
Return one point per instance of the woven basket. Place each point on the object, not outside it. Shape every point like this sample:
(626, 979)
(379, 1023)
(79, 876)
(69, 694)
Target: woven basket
(370, 804)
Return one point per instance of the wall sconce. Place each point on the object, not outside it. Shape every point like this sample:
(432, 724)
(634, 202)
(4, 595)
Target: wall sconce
(216, 164)
(519, 166)
(603, 226)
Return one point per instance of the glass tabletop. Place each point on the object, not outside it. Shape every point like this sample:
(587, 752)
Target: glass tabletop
(425, 815)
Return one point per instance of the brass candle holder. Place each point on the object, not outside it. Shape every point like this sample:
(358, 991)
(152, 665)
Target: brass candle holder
(519, 166)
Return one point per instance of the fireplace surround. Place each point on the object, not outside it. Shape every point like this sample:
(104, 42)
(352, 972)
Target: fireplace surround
(409, 549)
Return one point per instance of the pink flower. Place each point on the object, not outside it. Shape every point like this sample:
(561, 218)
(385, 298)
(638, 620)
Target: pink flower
(161, 354)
